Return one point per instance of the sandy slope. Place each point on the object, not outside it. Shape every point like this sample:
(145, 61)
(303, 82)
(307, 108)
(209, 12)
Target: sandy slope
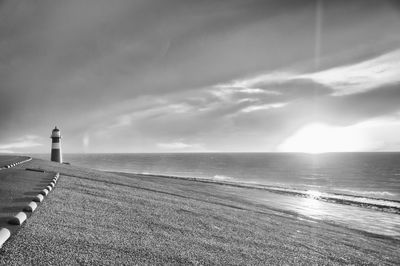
(94, 217)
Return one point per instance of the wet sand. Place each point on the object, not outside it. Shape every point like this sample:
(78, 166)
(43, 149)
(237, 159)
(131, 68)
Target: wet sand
(100, 218)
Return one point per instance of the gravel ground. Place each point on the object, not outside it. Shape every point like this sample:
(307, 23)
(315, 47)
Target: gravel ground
(98, 218)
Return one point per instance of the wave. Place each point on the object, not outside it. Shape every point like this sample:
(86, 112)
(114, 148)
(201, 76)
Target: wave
(371, 193)
(222, 177)
(145, 173)
(379, 204)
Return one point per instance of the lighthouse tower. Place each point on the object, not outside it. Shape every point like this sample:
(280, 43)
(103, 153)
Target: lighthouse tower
(56, 145)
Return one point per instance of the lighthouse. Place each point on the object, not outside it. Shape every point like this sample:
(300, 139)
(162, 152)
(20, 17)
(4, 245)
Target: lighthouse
(56, 146)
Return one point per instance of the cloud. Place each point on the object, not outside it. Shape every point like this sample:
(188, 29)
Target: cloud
(6, 151)
(253, 108)
(121, 121)
(350, 79)
(27, 141)
(254, 91)
(274, 77)
(357, 78)
(177, 145)
(354, 108)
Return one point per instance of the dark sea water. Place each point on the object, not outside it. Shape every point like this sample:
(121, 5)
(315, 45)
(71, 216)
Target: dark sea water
(356, 190)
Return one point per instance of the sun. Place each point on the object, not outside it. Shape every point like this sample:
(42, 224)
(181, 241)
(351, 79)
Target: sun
(321, 138)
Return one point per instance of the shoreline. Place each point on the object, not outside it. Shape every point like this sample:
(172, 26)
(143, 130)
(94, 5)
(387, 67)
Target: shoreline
(247, 189)
(392, 206)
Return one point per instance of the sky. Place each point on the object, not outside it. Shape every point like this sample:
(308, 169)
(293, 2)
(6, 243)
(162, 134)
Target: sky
(200, 76)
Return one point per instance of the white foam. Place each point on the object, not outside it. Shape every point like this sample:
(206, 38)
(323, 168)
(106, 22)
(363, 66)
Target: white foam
(222, 177)
(369, 193)
(145, 173)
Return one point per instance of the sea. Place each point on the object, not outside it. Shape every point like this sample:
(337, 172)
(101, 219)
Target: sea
(360, 191)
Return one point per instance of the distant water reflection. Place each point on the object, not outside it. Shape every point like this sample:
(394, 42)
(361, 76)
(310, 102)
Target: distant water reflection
(368, 220)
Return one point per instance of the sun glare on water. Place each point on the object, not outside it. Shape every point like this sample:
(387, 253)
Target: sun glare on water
(314, 194)
(311, 205)
(320, 138)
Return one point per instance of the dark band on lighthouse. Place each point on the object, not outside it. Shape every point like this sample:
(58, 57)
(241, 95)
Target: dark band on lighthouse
(56, 155)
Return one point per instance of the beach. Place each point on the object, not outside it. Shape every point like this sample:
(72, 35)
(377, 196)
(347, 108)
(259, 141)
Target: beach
(103, 218)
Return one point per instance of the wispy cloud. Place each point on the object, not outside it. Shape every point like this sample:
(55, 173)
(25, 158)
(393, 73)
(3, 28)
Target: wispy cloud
(179, 108)
(121, 121)
(27, 141)
(253, 108)
(177, 145)
(360, 77)
(343, 80)
(269, 78)
(6, 151)
(250, 85)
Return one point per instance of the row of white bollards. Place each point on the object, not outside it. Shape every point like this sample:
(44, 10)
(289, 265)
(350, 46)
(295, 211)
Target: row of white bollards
(31, 207)
(15, 164)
